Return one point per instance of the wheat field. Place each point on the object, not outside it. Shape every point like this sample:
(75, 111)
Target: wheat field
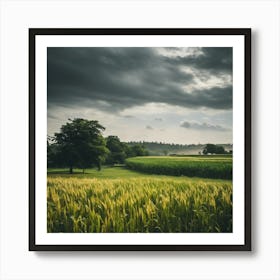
(144, 204)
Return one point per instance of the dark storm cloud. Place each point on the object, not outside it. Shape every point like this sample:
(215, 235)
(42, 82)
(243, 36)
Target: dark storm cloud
(119, 78)
(215, 60)
(202, 126)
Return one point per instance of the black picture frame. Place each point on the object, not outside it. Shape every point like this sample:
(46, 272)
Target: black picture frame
(246, 32)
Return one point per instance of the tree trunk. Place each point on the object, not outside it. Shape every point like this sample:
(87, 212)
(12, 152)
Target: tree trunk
(71, 170)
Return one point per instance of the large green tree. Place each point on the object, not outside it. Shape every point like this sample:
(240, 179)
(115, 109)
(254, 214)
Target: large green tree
(81, 144)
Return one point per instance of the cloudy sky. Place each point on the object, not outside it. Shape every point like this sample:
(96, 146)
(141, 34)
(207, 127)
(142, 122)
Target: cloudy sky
(172, 95)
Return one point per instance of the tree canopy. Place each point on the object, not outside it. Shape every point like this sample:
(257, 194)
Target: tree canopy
(117, 150)
(80, 144)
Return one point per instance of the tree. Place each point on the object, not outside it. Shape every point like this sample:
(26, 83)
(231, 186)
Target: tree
(213, 149)
(128, 151)
(117, 150)
(53, 155)
(81, 144)
(139, 150)
(220, 150)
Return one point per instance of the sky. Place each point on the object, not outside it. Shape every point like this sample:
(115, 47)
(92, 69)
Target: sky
(170, 95)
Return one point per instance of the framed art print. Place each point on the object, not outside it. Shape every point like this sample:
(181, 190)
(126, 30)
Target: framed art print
(140, 139)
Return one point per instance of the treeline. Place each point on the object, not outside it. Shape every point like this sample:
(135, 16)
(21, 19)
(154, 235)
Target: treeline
(160, 148)
(80, 144)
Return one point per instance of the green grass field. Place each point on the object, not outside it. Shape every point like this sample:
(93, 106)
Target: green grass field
(117, 199)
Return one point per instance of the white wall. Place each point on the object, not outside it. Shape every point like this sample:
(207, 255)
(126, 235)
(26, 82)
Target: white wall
(17, 262)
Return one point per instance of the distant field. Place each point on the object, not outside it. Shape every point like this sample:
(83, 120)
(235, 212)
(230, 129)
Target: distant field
(218, 167)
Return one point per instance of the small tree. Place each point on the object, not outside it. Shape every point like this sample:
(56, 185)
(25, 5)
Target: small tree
(213, 149)
(81, 144)
(220, 150)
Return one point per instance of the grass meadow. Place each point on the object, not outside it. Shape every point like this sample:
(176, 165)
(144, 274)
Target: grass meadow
(146, 195)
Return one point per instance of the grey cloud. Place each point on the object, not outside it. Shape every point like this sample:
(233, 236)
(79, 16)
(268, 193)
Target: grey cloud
(218, 59)
(113, 79)
(149, 127)
(159, 119)
(202, 126)
(185, 124)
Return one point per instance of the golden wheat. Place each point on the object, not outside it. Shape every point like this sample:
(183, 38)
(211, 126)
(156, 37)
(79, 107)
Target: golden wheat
(138, 205)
